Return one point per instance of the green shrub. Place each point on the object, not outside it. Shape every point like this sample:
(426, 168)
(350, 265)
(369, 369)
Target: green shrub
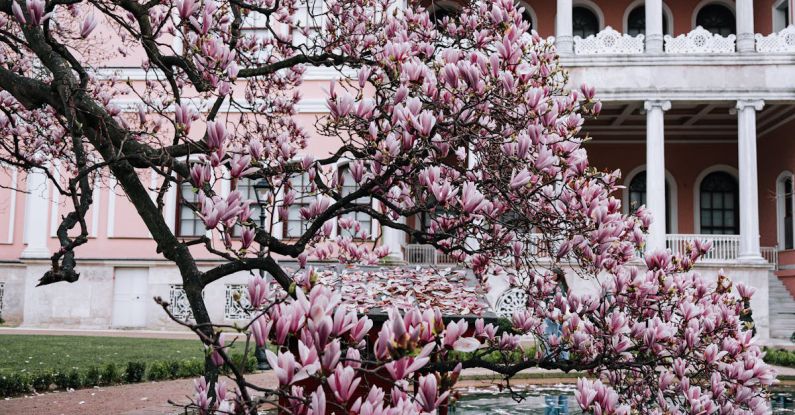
(14, 384)
(191, 368)
(135, 372)
(111, 374)
(246, 367)
(93, 377)
(68, 379)
(41, 381)
(158, 371)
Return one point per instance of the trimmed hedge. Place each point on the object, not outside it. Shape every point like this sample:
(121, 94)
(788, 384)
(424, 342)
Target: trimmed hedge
(110, 374)
(780, 357)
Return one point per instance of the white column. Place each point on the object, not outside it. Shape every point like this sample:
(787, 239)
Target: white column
(395, 240)
(36, 210)
(749, 192)
(654, 26)
(655, 171)
(791, 7)
(745, 26)
(563, 28)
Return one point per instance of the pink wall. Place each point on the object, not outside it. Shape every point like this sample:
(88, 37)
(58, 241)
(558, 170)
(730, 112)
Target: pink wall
(683, 161)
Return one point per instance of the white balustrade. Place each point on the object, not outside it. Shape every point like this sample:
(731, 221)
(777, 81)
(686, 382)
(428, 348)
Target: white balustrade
(609, 42)
(426, 254)
(770, 254)
(700, 41)
(724, 247)
(781, 42)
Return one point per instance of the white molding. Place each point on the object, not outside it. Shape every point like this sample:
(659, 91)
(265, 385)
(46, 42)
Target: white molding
(111, 207)
(774, 14)
(729, 4)
(55, 200)
(171, 206)
(305, 106)
(780, 207)
(529, 9)
(594, 8)
(12, 211)
(672, 187)
(697, 190)
(96, 195)
(669, 16)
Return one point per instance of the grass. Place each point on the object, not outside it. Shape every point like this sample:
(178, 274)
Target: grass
(34, 353)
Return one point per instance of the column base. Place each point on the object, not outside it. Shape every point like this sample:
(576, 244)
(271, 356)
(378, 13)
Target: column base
(751, 259)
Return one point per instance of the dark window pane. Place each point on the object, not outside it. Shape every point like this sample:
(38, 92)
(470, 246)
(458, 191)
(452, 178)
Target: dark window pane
(719, 208)
(717, 19)
(584, 22)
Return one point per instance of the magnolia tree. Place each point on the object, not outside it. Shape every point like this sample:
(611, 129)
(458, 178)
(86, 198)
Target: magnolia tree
(464, 120)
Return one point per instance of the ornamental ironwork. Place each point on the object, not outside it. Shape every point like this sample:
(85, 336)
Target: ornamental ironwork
(700, 40)
(511, 301)
(237, 305)
(178, 303)
(609, 42)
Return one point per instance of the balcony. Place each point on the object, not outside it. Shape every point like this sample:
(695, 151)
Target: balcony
(697, 42)
(725, 248)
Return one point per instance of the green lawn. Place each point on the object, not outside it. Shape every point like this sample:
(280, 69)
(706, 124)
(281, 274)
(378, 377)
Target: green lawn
(35, 352)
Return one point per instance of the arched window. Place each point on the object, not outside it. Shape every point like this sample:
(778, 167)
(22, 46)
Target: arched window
(527, 14)
(636, 22)
(784, 197)
(637, 197)
(718, 19)
(584, 22)
(719, 200)
(440, 11)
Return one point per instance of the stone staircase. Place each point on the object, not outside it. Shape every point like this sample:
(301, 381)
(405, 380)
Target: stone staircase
(782, 309)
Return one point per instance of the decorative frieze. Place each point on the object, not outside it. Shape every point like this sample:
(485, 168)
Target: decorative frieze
(781, 42)
(609, 42)
(510, 301)
(699, 40)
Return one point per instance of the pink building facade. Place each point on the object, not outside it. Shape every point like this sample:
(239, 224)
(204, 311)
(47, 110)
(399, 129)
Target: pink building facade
(699, 114)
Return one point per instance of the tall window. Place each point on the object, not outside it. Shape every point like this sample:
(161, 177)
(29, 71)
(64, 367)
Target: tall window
(719, 204)
(637, 197)
(246, 189)
(188, 222)
(526, 15)
(718, 19)
(365, 221)
(636, 22)
(296, 225)
(584, 22)
(785, 190)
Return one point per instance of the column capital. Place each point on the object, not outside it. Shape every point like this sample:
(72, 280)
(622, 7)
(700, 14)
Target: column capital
(756, 104)
(661, 104)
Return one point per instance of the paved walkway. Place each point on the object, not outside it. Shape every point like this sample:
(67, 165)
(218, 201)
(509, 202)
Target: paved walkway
(152, 398)
(151, 334)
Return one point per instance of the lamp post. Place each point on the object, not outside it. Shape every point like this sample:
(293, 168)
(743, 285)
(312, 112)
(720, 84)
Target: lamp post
(264, 191)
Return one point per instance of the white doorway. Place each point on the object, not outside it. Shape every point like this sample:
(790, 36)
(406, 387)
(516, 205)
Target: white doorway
(129, 297)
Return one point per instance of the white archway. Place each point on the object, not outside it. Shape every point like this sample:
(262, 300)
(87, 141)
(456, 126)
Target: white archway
(672, 189)
(593, 7)
(697, 190)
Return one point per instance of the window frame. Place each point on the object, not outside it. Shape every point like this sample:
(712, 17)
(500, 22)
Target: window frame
(735, 208)
(301, 200)
(369, 225)
(178, 231)
(668, 20)
(781, 211)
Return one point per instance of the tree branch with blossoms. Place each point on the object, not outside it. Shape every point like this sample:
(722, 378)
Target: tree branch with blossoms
(468, 122)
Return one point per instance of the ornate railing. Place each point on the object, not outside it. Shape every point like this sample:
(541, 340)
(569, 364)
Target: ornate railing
(426, 254)
(699, 40)
(724, 247)
(770, 253)
(609, 42)
(781, 42)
